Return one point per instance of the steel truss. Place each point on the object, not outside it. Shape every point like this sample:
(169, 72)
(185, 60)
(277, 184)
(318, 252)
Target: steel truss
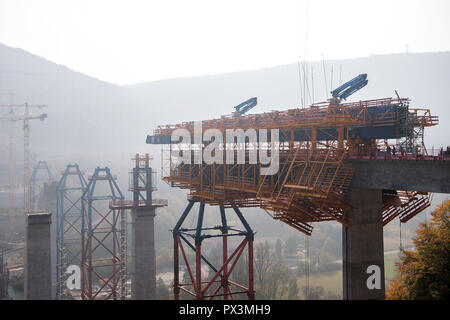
(141, 184)
(103, 272)
(309, 186)
(68, 224)
(220, 284)
(404, 204)
(314, 147)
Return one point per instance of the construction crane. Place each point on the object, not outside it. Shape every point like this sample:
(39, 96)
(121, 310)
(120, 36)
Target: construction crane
(11, 169)
(245, 106)
(11, 139)
(350, 87)
(26, 127)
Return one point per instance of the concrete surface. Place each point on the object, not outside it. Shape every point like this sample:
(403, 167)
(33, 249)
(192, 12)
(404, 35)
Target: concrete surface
(362, 245)
(143, 267)
(411, 175)
(38, 285)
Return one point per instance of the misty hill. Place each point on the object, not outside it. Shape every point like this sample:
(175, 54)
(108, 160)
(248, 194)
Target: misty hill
(80, 108)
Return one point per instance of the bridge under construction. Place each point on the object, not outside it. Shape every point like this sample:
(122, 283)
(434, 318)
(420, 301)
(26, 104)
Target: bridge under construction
(335, 161)
(362, 164)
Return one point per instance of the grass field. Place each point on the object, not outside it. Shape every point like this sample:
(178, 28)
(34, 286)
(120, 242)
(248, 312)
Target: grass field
(332, 281)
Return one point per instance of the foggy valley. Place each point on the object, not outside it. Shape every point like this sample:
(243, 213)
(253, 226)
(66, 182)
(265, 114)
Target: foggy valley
(96, 123)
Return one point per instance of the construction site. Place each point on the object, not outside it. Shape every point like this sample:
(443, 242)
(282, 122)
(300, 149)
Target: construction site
(363, 164)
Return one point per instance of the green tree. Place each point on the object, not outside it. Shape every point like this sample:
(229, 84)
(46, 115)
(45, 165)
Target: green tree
(165, 259)
(425, 272)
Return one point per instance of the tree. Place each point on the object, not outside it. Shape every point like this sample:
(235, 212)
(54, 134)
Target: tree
(313, 292)
(271, 273)
(425, 272)
(240, 271)
(165, 259)
(278, 248)
(292, 289)
(162, 291)
(262, 262)
(275, 284)
(291, 244)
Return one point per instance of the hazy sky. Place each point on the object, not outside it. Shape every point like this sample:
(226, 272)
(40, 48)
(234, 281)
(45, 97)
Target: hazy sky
(125, 42)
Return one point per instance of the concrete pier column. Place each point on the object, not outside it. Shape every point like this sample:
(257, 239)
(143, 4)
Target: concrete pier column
(143, 269)
(48, 203)
(362, 251)
(38, 285)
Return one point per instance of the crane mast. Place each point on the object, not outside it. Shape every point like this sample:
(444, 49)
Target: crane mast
(26, 160)
(12, 172)
(26, 127)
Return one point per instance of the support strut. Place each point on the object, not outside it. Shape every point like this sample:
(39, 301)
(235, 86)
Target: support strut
(219, 285)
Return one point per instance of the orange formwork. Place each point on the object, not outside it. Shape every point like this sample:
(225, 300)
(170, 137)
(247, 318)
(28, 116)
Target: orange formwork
(314, 147)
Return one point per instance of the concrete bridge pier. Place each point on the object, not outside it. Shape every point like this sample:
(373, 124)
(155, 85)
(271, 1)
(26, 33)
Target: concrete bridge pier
(143, 281)
(362, 247)
(48, 202)
(38, 284)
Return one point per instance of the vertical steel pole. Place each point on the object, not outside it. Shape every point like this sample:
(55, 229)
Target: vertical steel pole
(340, 138)
(251, 291)
(90, 267)
(225, 269)
(176, 279)
(176, 241)
(198, 251)
(83, 261)
(114, 259)
(224, 253)
(198, 270)
(12, 173)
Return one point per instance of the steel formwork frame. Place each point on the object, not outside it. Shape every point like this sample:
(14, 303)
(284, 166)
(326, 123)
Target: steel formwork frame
(141, 181)
(142, 185)
(309, 187)
(321, 116)
(103, 234)
(68, 223)
(204, 289)
(404, 204)
(37, 182)
(314, 147)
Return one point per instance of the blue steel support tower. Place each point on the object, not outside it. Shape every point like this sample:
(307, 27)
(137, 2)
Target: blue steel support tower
(142, 207)
(68, 224)
(103, 238)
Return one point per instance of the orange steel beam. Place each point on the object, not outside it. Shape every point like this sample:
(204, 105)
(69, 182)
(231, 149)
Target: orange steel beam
(313, 175)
